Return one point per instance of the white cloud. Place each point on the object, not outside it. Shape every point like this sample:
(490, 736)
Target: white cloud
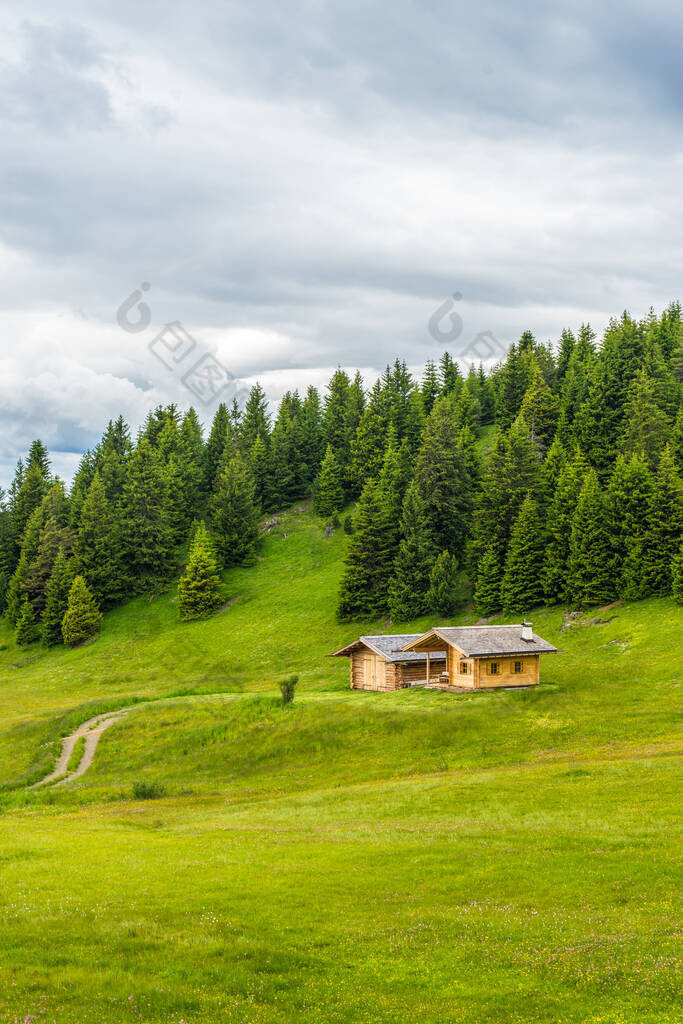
(304, 188)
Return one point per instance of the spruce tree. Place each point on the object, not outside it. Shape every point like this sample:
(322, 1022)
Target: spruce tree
(449, 373)
(312, 434)
(336, 415)
(38, 455)
(567, 343)
(27, 631)
(487, 586)
(146, 538)
(430, 386)
(31, 493)
(515, 377)
(677, 576)
(15, 590)
(328, 493)
(664, 526)
(410, 579)
(368, 565)
(219, 442)
(98, 545)
(367, 446)
(540, 411)
(234, 514)
(558, 526)
(82, 617)
(441, 475)
(262, 473)
(40, 567)
(199, 588)
(592, 573)
(444, 587)
(629, 494)
(190, 460)
(56, 600)
(646, 426)
(677, 441)
(522, 586)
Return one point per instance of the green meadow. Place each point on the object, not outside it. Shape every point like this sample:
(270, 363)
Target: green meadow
(352, 857)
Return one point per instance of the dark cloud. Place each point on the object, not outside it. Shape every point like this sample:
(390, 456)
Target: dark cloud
(304, 184)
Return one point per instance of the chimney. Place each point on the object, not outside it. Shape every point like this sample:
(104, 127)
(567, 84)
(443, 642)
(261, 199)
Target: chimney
(526, 631)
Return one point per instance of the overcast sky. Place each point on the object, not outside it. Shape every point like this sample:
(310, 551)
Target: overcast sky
(303, 184)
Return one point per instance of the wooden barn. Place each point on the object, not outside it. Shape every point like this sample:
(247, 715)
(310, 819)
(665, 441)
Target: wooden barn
(463, 657)
(380, 663)
(485, 657)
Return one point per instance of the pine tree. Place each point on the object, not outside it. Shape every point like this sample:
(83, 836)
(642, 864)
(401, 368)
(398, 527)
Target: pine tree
(410, 579)
(629, 494)
(540, 411)
(328, 494)
(52, 538)
(592, 574)
(368, 566)
(6, 550)
(677, 576)
(31, 493)
(82, 617)
(56, 600)
(567, 343)
(220, 445)
(487, 401)
(312, 434)
(522, 587)
(27, 631)
(392, 481)
(15, 590)
(451, 378)
(146, 539)
(367, 447)
(487, 587)
(336, 414)
(444, 587)
(665, 523)
(430, 386)
(590, 424)
(515, 377)
(441, 475)
(646, 427)
(38, 456)
(677, 441)
(262, 473)
(199, 588)
(234, 514)
(190, 456)
(98, 544)
(558, 525)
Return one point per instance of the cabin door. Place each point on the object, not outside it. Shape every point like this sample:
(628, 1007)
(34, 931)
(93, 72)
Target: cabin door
(370, 672)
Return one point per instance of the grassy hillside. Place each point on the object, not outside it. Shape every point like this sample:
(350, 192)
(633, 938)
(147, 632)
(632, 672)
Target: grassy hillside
(505, 856)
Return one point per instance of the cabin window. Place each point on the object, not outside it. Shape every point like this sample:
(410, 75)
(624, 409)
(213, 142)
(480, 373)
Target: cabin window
(518, 666)
(463, 668)
(494, 668)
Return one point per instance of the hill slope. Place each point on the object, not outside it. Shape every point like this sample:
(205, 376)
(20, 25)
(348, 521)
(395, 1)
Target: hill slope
(354, 857)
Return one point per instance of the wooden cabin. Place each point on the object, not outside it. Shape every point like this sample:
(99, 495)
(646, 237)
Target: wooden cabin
(484, 657)
(381, 663)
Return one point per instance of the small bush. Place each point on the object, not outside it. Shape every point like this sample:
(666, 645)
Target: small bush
(4, 646)
(348, 524)
(148, 790)
(287, 688)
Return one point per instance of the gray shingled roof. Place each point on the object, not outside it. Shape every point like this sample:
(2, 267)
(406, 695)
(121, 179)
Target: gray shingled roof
(390, 647)
(480, 641)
